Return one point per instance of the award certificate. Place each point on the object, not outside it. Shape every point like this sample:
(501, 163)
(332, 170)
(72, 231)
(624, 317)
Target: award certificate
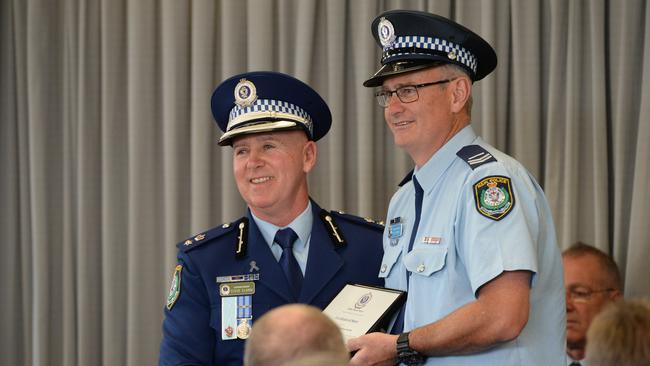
(360, 309)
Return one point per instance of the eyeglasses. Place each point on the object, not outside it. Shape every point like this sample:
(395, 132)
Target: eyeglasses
(406, 94)
(583, 294)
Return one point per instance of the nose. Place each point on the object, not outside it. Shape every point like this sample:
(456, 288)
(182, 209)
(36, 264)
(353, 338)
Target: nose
(254, 160)
(395, 106)
(569, 303)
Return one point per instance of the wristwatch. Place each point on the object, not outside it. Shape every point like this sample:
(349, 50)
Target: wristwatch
(405, 354)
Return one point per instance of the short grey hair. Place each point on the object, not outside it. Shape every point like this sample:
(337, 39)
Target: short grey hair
(291, 331)
(620, 335)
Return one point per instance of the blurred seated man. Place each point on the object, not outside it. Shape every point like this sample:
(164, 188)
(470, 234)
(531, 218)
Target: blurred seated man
(592, 280)
(620, 335)
(290, 332)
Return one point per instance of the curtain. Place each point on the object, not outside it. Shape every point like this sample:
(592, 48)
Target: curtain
(109, 153)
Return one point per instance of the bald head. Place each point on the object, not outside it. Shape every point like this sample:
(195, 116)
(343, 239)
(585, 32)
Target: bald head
(290, 331)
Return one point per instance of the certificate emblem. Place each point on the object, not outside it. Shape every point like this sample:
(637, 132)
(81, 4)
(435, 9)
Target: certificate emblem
(363, 300)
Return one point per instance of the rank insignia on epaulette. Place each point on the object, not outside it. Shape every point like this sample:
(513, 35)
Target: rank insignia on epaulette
(175, 288)
(333, 231)
(242, 239)
(494, 197)
(475, 156)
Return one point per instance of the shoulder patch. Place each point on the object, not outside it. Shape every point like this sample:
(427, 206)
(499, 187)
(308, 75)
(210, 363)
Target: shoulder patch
(475, 156)
(207, 236)
(175, 287)
(494, 197)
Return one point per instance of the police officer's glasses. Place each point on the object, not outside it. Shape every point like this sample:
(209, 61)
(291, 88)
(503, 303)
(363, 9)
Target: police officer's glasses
(583, 294)
(406, 94)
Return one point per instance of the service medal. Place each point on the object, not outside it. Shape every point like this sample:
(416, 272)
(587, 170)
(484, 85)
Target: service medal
(243, 329)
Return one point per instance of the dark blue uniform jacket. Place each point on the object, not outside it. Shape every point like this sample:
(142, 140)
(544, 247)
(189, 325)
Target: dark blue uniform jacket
(192, 328)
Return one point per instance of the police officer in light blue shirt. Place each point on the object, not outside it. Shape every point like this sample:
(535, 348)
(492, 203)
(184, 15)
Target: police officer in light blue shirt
(469, 233)
(285, 249)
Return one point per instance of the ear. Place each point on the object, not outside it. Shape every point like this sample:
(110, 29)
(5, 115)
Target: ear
(309, 154)
(460, 91)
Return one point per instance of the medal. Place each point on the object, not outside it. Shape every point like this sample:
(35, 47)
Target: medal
(243, 329)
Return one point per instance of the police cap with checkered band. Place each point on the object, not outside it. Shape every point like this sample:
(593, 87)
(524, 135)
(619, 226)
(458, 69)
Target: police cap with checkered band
(414, 40)
(265, 101)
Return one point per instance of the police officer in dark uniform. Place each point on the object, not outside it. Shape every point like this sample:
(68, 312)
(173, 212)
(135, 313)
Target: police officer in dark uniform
(286, 249)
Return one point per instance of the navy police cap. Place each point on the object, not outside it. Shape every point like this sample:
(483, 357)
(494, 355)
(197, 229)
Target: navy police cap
(414, 40)
(263, 101)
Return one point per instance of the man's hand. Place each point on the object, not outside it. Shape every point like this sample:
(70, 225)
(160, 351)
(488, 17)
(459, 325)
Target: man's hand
(376, 349)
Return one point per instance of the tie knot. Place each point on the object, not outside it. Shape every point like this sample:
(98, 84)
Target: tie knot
(285, 237)
(575, 363)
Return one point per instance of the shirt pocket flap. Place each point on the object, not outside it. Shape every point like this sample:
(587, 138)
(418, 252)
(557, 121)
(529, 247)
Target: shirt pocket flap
(425, 261)
(389, 260)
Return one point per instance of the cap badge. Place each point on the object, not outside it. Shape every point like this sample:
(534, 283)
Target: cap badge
(386, 32)
(245, 93)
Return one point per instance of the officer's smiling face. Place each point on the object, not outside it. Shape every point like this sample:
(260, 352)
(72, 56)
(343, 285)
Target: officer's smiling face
(423, 126)
(271, 173)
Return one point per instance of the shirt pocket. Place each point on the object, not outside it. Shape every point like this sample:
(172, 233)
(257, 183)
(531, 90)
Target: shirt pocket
(389, 260)
(425, 261)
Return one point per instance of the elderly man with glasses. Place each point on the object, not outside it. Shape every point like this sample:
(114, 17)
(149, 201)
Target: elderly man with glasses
(469, 234)
(592, 280)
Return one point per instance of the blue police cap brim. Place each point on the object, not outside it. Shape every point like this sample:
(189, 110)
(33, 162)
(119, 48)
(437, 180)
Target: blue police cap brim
(418, 23)
(399, 67)
(271, 86)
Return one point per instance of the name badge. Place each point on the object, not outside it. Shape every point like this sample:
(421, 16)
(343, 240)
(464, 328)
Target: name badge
(237, 288)
(431, 240)
(395, 230)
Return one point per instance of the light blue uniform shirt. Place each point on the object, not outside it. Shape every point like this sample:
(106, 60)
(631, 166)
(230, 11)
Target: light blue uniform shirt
(301, 225)
(457, 250)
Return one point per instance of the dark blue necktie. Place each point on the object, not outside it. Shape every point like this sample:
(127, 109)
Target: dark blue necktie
(286, 237)
(575, 363)
(398, 327)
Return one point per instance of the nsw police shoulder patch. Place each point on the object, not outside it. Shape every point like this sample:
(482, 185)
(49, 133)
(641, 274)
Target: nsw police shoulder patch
(494, 197)
(175, 288)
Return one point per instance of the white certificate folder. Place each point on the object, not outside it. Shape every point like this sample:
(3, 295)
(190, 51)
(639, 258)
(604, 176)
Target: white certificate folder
(361, 309)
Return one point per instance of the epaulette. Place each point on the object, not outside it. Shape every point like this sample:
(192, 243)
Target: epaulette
(365, 221)
(335, 234)
(475, 156)
(209, 236)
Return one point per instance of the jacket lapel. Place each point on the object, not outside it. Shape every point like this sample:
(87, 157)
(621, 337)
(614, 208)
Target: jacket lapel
(323, 261)
(271, 275)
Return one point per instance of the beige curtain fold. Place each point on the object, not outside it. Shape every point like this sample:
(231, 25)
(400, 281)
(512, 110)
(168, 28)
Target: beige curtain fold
(109, 153)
